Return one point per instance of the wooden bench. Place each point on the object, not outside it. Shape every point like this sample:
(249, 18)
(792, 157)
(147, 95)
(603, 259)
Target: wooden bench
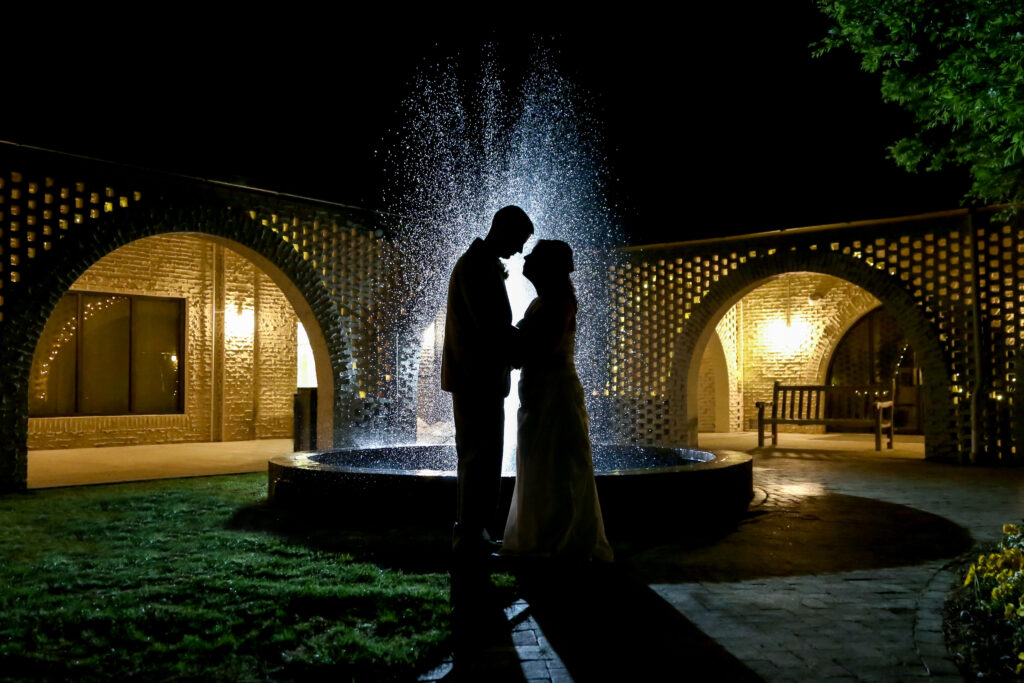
(867, 406)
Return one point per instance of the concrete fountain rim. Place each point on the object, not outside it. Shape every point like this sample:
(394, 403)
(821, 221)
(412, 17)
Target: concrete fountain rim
(307, 461)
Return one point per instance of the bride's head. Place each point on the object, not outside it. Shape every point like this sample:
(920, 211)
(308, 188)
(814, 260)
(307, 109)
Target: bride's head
(548, 265)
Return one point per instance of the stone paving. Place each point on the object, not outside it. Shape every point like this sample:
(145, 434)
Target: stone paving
(527, 656)
(877, 622)
(881, 624)
(873, 625)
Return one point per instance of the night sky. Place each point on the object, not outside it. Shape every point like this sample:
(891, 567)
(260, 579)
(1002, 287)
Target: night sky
(719, 122)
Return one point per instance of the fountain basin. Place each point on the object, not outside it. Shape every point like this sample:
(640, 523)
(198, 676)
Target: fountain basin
(641, 488)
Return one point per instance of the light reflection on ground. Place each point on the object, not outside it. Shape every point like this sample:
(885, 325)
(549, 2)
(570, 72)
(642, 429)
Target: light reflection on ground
(801, 490)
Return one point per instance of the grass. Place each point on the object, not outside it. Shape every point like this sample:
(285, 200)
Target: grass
(198, 579)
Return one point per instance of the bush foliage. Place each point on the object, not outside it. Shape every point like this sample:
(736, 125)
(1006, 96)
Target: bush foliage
(994, 586)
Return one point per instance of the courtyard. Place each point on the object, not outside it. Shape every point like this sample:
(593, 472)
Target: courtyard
(201, 259)
(838, 570)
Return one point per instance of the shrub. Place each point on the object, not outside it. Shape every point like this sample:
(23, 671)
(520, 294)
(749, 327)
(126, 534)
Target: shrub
(996, 583)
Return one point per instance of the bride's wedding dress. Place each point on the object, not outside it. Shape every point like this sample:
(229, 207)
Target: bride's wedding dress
(555, 511)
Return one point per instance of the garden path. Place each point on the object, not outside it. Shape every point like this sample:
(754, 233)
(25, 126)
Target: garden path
(107, 465)
(827, 619)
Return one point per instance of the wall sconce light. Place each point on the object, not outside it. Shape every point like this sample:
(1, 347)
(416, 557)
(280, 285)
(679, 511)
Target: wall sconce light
(786, 337)
(240, 323)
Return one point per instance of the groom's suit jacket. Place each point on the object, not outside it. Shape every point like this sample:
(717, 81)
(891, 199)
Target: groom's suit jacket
(478, 332)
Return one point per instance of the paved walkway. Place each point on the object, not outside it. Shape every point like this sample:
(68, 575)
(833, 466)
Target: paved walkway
(77, 466)
(881, 622)
(874, 624)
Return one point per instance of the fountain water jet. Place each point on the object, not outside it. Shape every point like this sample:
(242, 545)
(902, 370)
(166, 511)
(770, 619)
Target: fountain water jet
(468, 150)
(464, 153)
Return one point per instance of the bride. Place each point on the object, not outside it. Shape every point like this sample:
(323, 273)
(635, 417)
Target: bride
(555, 511)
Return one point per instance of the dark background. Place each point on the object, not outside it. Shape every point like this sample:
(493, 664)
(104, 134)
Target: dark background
(716, 122)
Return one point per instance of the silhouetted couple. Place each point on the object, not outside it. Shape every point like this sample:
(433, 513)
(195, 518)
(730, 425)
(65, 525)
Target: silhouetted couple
(555, 511)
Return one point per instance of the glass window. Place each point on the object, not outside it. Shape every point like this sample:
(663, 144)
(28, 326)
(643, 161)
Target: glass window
(109, 354)
(156, 355)
(103, 381)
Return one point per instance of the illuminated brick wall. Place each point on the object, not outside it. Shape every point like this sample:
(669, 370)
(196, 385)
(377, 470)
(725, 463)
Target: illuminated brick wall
(274, 360)
(257, 353)
(820, 309)
(723, 381)
(730, 334)
(710, 395)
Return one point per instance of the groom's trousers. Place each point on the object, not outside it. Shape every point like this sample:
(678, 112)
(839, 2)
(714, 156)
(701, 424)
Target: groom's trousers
(479, 439)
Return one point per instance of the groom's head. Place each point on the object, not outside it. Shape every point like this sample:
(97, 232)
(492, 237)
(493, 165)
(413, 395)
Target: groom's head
(510, 229)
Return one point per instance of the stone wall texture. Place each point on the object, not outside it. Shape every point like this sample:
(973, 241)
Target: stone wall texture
(257, 354)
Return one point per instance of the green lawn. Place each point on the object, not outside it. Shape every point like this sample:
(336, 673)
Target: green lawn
(199, 579)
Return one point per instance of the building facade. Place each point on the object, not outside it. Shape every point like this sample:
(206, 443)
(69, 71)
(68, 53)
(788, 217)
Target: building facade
(954, 280)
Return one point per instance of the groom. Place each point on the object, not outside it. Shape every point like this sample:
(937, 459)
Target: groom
(479, 344)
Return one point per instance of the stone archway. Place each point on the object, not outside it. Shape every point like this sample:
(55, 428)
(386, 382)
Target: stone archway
(939, 426)
(51, 277)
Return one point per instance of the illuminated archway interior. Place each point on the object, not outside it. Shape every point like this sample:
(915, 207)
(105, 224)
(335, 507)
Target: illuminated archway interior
(171, 338)
(786, 329)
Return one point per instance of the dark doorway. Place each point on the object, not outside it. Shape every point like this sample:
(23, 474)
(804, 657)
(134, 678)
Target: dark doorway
(875, 351)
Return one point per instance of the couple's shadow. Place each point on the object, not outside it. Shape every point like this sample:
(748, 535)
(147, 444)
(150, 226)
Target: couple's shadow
(600, 621)
(575, 621)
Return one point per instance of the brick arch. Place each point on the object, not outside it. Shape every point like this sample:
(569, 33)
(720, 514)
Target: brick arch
(845, 326)
(939, 425)
(50, 278)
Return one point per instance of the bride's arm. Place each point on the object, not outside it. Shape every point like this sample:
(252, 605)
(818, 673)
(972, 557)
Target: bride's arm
(543, 330)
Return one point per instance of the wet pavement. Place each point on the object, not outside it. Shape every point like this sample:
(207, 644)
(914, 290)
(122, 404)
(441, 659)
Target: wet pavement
(838, 572)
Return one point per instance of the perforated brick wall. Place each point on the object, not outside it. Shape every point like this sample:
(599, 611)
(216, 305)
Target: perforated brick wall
(925, 270)
(60, 215)
(954, 279)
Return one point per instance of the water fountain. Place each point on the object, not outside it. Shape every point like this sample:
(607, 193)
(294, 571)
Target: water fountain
(463, 154)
